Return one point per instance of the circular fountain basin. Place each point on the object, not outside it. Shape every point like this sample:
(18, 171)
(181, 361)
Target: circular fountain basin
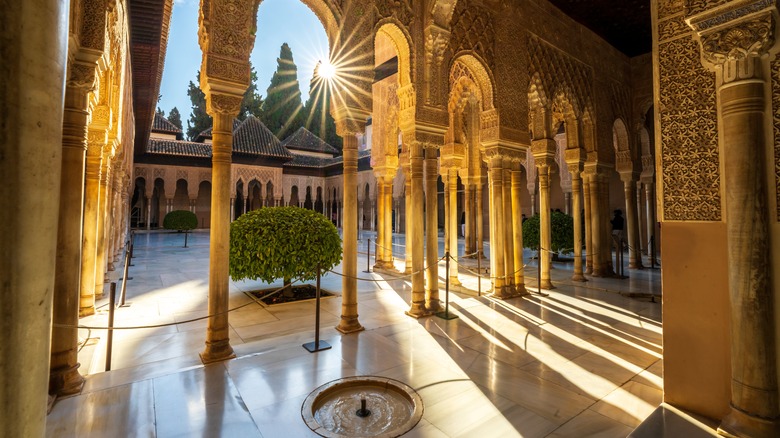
(332, 409)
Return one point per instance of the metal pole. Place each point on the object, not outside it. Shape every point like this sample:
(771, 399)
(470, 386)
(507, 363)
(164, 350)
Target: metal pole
(111, 307)
(479, 273)
(317, 345)
(125, 277)
(447, 286)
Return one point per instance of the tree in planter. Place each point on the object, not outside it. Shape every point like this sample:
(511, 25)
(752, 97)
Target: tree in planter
(282, 242)
(562, 229)
(181, 220)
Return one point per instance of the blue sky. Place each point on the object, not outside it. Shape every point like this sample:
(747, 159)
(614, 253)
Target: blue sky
(278, 21)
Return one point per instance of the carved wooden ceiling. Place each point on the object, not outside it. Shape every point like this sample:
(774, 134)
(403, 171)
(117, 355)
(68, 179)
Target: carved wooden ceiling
(625, 24)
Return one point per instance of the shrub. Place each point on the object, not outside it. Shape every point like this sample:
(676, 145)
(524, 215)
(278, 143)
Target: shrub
(562, 232)
(180, 220)
(282, 242)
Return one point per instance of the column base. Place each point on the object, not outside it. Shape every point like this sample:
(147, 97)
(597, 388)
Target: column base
(349, 325)
(546, 284)
(578, 277)
(111, 266)
(635, 265)
(455, 281)
(217, 352)
(588, 270)
(86, 311)
(433, 305)
(418, 310)
(66, 381)
(738, 424)
(385, 265)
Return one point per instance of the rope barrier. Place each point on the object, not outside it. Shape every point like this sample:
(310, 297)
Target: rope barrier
(375, 280)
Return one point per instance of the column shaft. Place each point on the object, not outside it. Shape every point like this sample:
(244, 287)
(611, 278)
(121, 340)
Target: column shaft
(596, 227)
(431, 230)
(468, 206)
(517, 228)
(380, 232)
(576, 200)
(509, 243)
(387, 241)
(349, 308)
(634, 258)
(217, 334)
(480, 228)
(415, 218)
(497, 227)
(454, 224)
(649, 200)
(407, 219)
(100, 254)
(89, 235)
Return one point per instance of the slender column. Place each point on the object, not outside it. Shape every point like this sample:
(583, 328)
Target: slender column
(217, 334)
(64, 378)
(380, 232)
(533, 203)
(452, 175)
(576, 189)
(388, 234)
(100, 253)
(634, 258)
(545, 234)
(650, 200)
(407, 217)
(148, 200)
(468, 206)
(446, 180)
(741, 64)
(606, 227)
(431, 230)
(517, 227)
(416, 158)
(641, 218)
(349, 306)
(480, 212)
(567, 203)
(509, 242)
(588, 230)
(596, 227)
(232, 209)
(496, 181)
(34, 56)
(91, 202)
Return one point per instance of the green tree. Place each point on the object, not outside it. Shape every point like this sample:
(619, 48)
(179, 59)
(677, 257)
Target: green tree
(562, 229)
(282, 242)
(317, 109)
(160, 112)
(282, 108)
(252, 104)
(175, 117)
(181, 220)
(199, 120)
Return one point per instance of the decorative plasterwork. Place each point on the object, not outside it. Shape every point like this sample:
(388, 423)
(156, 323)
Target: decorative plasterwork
(775, 69)
(472, 30)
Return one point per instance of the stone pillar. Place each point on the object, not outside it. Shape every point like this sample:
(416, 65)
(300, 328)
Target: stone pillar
(517, 226)
(387, 241)
(380, 232)
(533, 203)
(415, 218)
(232, 208)
(545, 234)
(222, 109)
(650, 201)
(480, 211)
(452, 187)
(34, 53)
(468, 206)
(91, 208)
(641, 218)
(632, 225)
(148, 200)
(496, 181)
(588, 230)
(741, 65)
(431, 230)
(509, 242)
(597, 227)
(64, 378)
(576, 190)
(407, 219)
(349, 308)
(100, 253)
(567, 203)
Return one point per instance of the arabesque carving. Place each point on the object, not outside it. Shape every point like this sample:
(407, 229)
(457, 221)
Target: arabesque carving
(224, 104)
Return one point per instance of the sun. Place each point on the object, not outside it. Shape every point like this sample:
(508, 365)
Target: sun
(327, 70)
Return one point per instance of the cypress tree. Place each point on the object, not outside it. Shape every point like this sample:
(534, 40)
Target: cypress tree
(253, 102)
(282, 108)
(318, 118)
(199, 119)
(175, 118)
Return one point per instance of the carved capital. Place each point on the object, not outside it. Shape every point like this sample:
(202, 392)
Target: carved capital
(223, 104)
(82, 75)
(735, 31)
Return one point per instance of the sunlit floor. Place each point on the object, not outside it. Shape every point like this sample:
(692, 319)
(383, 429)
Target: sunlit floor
(583, 361)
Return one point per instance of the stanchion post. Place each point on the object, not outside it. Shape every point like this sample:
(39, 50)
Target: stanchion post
(446, 313)
(479, 273)
(317, 345)
(123, 292)
(111, 307)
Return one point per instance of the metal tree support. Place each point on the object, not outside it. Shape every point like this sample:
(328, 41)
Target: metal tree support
(446, 313)
(317, 345)
(111, 307)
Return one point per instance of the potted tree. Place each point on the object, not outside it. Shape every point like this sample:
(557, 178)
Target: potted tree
(283, 242)
(562, 233)
(181, 221)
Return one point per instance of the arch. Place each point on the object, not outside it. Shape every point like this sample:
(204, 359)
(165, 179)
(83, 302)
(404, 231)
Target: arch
(181, 197)
(269, 194)
(401, 40)
(329, 15)
(620, 139)
(203, 205)
(471, 66)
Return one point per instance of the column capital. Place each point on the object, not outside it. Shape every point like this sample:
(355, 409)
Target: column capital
(453, 154)
(735, 32)
(543, 149)
(223, 104)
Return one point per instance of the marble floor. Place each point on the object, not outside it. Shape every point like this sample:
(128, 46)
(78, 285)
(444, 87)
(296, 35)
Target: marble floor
(585, 360)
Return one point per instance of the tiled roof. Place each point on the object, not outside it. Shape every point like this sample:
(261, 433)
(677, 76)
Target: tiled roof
(206, 133)
(307, 161)
(304, 140)
(252, 137)
(161, 124)
(177, 147)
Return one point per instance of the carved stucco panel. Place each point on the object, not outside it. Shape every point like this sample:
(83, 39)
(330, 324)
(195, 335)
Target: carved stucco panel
(775, 68)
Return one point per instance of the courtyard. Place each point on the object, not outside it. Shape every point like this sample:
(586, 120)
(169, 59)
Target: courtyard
(584, 360)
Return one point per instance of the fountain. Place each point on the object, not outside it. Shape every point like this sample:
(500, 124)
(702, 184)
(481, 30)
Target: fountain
(362, 406)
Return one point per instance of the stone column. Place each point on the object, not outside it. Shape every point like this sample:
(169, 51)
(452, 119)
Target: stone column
(415, 222)
(148, 200)
(533, 203)
(95, 146)
(641, 218)
(509, 242)
(387, 241)
(34, 53)
(64, 378)
(567, 203)
(452, 187)
(480, 212)
(496, 181)
(100, 253)
(468, 206)
(380, 232)
(588, 230)
(232, 209)
(632, 226)
(650, 201)
(407, 219)
(741, 65)
(517, 226)
(574, 159)
(222, 108)
(544, 151)
(431, 229)
(597, 228)
(349, 307)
